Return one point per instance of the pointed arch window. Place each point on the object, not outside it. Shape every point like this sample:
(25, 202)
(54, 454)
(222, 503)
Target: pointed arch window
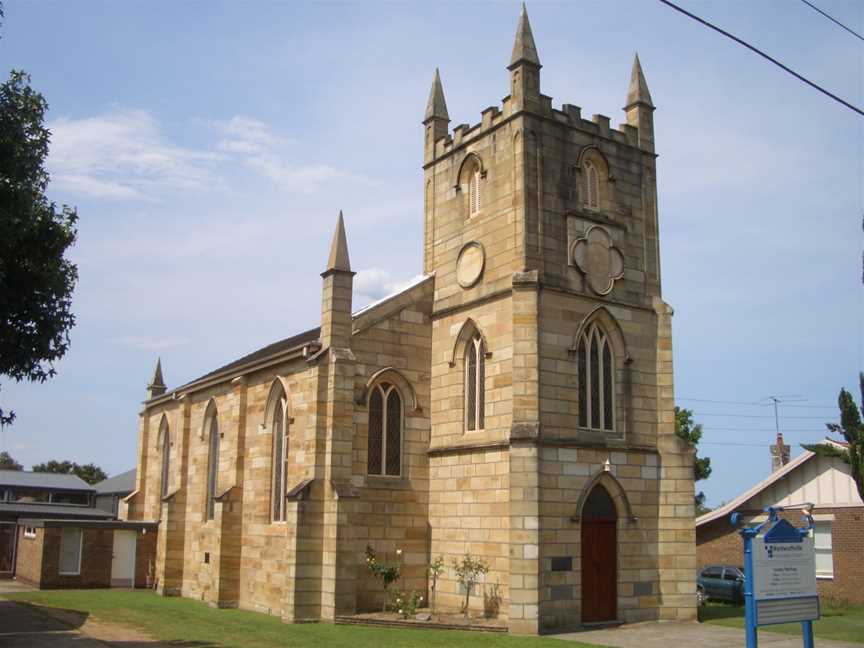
(592, 186)
(212, 428)
(279, 427)
(596, 369)
(384, 449)
(475, 379)
(165, 436)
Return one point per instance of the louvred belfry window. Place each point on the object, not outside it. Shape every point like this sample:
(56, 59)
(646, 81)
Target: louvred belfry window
(384, 449)
(592, 186)
(474, 192)
(475, 379)
(596, 375)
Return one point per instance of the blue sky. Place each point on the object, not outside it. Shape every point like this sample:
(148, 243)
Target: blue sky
(209, 146)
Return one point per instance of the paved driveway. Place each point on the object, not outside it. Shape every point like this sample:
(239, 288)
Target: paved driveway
(688, 635)
(21, 627)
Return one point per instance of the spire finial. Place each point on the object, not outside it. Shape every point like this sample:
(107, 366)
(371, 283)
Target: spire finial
(156, 387)
(524, 48)
(157, 380)
(339, 248)
(436, 107)
(638, 90)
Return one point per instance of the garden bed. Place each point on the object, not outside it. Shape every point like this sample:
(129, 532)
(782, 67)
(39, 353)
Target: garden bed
(423, 619)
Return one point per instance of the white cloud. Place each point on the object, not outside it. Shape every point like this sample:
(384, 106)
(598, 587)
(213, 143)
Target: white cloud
(373, 284)
(124, 154)
(268, 155)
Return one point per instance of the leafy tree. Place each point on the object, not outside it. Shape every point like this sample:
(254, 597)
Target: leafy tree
(7, 462)
(36, 280)
(90, 473)
(852, 429)
(691, 432)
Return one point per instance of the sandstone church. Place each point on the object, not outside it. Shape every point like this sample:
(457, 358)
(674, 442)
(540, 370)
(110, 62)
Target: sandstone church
(515, 403)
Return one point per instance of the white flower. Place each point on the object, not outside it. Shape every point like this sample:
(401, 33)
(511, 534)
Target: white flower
(398, 552)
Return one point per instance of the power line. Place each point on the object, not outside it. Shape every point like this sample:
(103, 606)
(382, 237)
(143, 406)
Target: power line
(834, 20)
(763, 55)
(733, 429)
(749, 403)
(760, 416)
(732, 443)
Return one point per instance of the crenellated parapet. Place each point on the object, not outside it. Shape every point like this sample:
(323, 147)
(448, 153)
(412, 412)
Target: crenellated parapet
(525, 98)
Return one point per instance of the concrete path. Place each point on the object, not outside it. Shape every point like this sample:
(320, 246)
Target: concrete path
(9, 585)
(688, 635)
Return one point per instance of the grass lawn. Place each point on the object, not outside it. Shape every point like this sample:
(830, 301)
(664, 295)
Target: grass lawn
(840, 623)
(179, 619)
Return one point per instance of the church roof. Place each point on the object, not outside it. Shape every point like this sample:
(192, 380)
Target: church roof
(295, 341)
(264, 352)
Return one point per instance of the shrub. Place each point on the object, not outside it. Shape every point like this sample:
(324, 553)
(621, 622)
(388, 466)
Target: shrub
(406, 603)
(436, 568)
(387, 572)
(468, 572)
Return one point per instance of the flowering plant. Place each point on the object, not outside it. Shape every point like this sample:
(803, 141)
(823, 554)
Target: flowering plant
(406, 603)
(387, 572)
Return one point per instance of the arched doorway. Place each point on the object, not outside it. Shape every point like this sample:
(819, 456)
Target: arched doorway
(599, 557)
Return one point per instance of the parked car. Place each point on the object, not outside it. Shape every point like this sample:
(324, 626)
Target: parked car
(720, 583)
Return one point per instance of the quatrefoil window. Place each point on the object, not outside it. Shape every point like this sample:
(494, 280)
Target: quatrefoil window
(598, 259)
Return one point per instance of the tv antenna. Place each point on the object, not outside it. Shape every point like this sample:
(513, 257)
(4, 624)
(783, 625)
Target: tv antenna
(777, 400)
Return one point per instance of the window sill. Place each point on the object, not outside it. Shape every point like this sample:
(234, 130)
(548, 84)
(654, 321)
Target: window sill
(78, 573)
(383, 481)
(824, 576)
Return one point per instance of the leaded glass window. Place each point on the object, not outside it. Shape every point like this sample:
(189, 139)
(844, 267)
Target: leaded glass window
(279, 426)
(596, 376)
(475, 379)
(212, 464)
(384, 449)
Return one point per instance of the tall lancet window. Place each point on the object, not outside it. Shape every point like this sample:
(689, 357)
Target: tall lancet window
(475, 379)
(279, 426)
(165, 435)
(212, 427)
(474, 191)
(592, 186)
(596, 371)
(384, 449)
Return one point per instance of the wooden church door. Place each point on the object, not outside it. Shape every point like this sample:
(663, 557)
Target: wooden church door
(599, 558)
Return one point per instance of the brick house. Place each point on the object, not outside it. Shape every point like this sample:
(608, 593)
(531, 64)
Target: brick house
(53, 535)
(515, 402)
(838, 512)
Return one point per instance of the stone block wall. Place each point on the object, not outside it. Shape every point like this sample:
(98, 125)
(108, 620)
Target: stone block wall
(468, 513)
(567, 475)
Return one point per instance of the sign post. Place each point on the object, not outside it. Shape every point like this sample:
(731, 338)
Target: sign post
(779, 575)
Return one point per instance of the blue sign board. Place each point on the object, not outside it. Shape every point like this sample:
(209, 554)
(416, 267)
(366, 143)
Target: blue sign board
(779, 576)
